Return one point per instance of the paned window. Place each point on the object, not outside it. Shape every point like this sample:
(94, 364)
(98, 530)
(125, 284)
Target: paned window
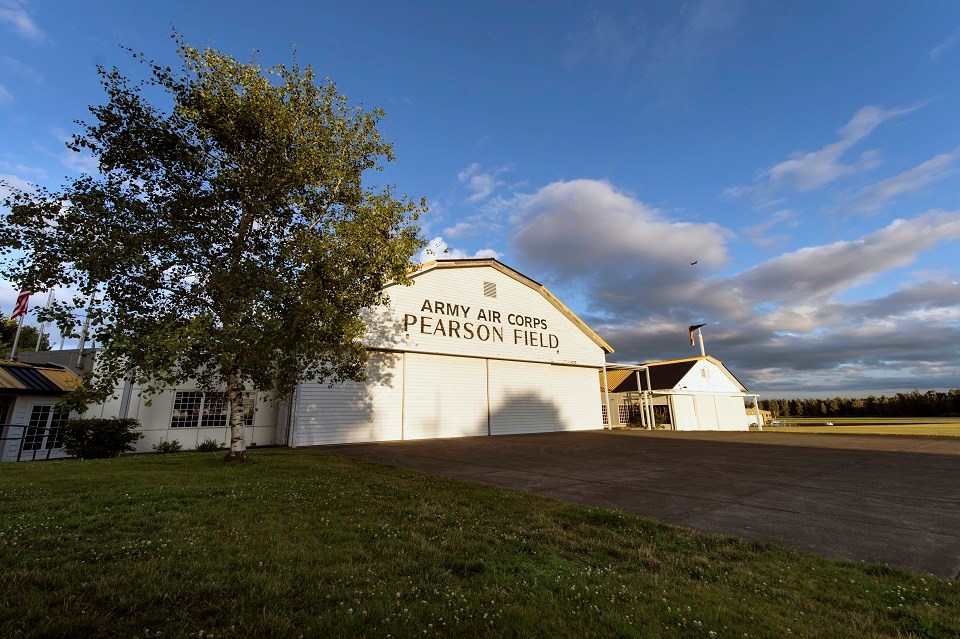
(5, 404)
(55, 436)
(623, 412)
(208, 410)
(249, 407)
(44, 429)
(214, 413)
(606, 416)
(39, 417)
(186, 409)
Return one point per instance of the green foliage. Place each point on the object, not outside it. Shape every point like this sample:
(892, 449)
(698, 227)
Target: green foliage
(165, 446)
(100, 438)
(28, 337)
(913, 404)
(182, 545)
(232, 237)
(209, 446)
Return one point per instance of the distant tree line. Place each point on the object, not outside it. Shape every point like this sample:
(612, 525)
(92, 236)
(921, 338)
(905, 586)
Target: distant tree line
(913, 404)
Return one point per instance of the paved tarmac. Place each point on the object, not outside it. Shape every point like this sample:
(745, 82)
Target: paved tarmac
(894, 500)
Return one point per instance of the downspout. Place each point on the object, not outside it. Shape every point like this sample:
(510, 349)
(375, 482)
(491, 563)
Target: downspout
(291, 418)
(646, 369)
(606, 393)
(125, 398)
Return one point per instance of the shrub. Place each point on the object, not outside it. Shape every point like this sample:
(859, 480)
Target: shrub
(208, 446)
(100, 438)
(165, 446)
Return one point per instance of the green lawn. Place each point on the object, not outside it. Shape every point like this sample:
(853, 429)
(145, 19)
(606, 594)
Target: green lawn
(932, 426)
(303, 543)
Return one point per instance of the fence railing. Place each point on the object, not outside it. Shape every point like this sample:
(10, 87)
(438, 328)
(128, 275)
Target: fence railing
(30, 443)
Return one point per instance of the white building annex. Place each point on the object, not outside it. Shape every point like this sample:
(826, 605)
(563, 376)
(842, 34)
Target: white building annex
(471, 348)
(695, 393)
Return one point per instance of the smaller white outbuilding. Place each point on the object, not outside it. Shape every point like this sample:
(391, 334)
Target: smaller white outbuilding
(696, 393)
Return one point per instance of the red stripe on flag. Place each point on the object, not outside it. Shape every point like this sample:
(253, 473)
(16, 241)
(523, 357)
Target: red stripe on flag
(20, 309)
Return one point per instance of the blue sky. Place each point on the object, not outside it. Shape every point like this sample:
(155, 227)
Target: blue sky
(806, 155)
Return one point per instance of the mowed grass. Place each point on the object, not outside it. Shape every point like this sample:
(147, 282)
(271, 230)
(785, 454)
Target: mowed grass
(916, 426)
(300, 543)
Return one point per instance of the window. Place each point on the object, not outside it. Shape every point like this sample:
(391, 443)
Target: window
(5, 404)
(186, 409)
(603, 410)
(39, 417)
(55, 436)
(623, 413)
(704, 373)
(44, 429)
(249, 407)
(208, 410)
(490, 289)
(214, 412)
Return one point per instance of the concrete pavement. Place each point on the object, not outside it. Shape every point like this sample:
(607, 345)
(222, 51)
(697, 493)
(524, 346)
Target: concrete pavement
(894, 500)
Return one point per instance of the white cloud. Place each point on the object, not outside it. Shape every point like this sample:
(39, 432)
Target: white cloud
(5, 96)
(810, 170)
(781, 324)
(438, 249)
(814, 272)
(23, 70)
(460, 229)
(481, 184)
(14, 13)
(769, 232)
(619, 250)
(941, 48)
(79, 162)
(652, 38)
(874, 197)
(7, 181)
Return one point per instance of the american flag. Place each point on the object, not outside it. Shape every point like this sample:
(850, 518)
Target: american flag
(693, 342)
(20, 309)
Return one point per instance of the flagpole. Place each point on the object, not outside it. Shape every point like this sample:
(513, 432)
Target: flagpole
(703, 352)
(16, 338)
(86, 327)
(40, 332)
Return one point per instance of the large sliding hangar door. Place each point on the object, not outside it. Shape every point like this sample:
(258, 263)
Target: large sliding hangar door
(471, 348)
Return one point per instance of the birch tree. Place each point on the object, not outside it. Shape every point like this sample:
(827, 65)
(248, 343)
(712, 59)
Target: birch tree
(231, 236)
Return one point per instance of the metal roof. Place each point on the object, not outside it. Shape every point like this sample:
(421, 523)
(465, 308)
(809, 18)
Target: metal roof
(18, 378)
(664, 375)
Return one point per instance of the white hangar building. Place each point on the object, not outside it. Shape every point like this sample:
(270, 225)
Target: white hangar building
(472, 347)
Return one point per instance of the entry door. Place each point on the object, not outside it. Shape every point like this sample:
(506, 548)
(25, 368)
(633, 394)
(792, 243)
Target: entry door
(42, 431)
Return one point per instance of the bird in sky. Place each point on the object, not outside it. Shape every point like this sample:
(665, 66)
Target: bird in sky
(694, 262)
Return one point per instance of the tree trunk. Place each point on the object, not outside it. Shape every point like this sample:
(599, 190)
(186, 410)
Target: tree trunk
(237, 450)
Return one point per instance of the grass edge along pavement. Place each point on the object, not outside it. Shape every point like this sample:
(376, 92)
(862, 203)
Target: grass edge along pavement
(306, 543)
(889, 426)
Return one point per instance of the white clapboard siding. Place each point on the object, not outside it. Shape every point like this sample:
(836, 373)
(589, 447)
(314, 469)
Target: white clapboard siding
(706, 412)
(684, 412)
(352, 411)
(444, 397)
(522, 399)
(731, 413)
(580, 408)
(554, 338)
